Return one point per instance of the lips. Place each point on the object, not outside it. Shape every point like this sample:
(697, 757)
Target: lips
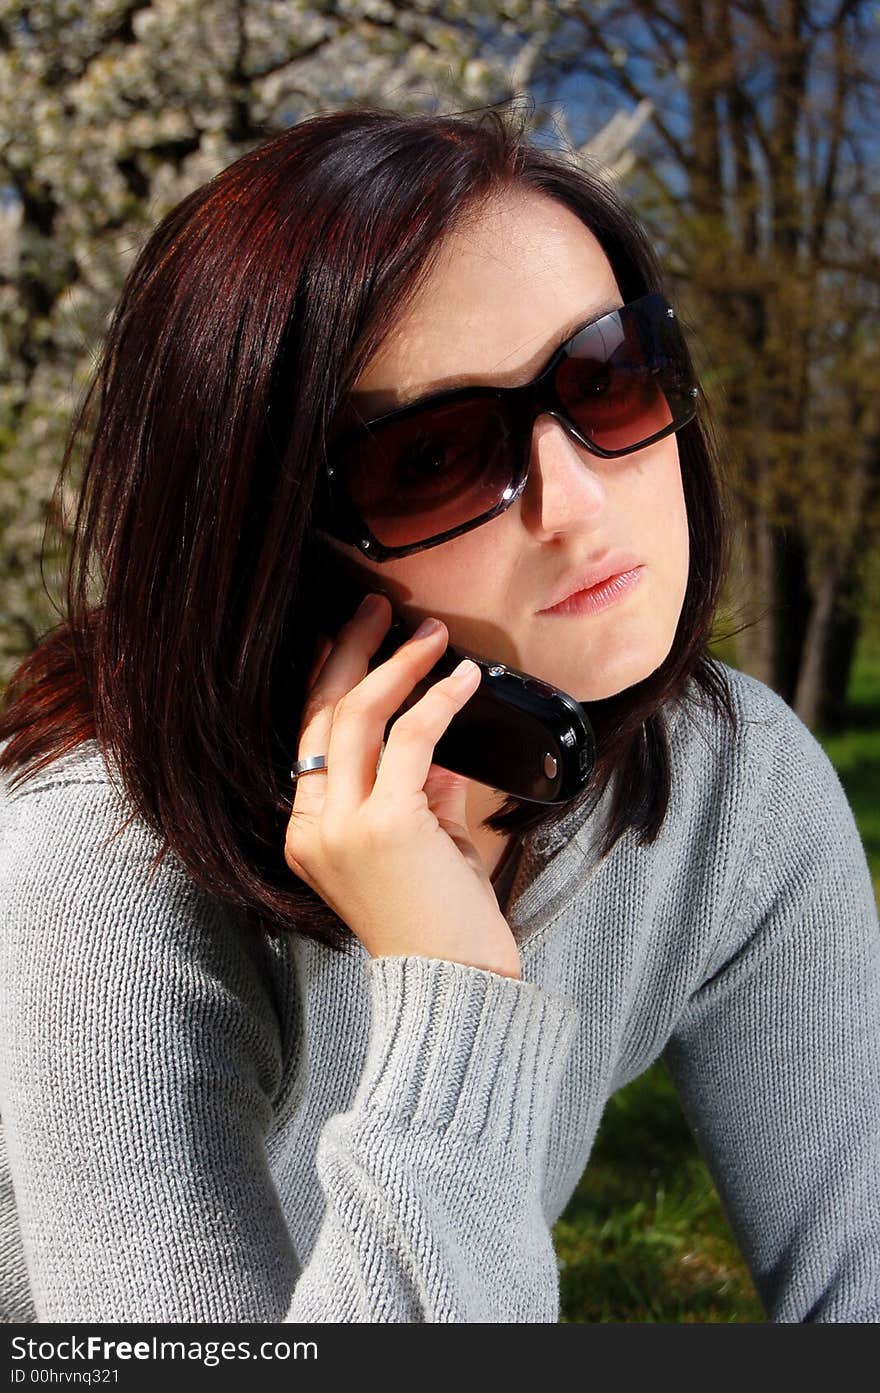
(584, 577)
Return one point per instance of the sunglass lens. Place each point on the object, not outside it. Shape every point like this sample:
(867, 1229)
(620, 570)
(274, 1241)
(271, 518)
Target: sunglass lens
(625, 380)
(413, 479)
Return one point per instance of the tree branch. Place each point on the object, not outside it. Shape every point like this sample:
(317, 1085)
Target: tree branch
(623, 79)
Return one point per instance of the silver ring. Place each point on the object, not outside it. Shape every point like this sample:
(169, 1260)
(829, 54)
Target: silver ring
(313, 765)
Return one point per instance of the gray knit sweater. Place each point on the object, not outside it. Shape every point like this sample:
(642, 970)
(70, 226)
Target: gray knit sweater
(198, 1125)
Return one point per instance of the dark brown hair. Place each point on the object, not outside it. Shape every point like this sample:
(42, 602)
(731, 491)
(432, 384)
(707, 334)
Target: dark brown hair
(246, 318)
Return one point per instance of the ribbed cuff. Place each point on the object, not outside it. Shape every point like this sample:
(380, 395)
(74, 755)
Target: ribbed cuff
(463, 1052)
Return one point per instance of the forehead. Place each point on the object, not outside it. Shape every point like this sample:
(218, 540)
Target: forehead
(499, 292)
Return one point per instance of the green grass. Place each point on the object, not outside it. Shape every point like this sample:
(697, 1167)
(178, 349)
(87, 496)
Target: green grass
(855, 752)
(644, 1237)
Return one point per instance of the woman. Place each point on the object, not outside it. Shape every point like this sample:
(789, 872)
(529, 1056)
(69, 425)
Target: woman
(345, 1059)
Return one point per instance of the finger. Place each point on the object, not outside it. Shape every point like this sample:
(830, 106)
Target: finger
(409, 749)
(358, 729)
(348, 654)
(345, 663)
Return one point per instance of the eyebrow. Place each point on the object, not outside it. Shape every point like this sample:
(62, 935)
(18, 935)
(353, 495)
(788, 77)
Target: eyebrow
(450, 384)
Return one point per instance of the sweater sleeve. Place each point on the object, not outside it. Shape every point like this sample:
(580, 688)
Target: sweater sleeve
(433, 1178)
(140, 1054)
(777, 1055)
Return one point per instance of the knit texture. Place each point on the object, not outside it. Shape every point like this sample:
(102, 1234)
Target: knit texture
(200, 1124)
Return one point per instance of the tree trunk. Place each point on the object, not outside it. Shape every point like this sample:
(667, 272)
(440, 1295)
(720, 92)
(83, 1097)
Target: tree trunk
(755, 644)
(839, 656)
(792, 614)
(808, 693)
(860, 485)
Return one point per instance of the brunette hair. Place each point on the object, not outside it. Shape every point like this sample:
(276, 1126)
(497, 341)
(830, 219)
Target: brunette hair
(244, 321)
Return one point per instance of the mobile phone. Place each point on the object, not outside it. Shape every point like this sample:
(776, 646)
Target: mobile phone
(516, 733)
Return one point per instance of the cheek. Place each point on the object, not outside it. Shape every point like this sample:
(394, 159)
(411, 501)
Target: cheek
(466, 575)
(681, 517)
(439, 581)
(664, 517)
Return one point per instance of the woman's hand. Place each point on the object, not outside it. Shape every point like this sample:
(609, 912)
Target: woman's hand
(389, 849)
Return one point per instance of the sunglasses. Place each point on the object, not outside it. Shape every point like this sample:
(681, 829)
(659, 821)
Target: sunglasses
(425, 473)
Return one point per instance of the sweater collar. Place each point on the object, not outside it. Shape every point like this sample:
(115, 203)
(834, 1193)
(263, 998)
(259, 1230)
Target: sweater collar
(585, 813)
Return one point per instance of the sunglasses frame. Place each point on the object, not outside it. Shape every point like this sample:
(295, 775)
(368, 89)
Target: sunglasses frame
(340, 519)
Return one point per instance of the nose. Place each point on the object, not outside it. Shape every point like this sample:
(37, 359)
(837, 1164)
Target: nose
(564, 485)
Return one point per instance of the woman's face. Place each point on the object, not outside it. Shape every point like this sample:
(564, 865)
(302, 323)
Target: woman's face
(498, 302)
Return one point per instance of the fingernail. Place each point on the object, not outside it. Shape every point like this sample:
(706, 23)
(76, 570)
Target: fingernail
(427, 626)
(369, 605)
(465, 670)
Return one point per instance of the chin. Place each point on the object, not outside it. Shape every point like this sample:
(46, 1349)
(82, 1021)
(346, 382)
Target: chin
(617, 676)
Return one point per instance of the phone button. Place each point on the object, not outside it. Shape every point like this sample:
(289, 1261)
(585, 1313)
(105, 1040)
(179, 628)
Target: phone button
(550, 766)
